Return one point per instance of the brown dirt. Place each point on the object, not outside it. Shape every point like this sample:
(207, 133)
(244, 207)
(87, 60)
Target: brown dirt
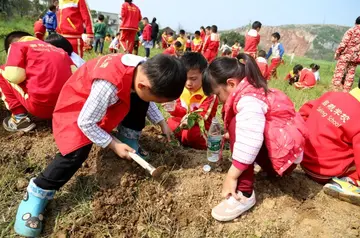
(126, 202)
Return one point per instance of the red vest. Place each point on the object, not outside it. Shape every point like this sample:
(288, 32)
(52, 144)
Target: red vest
(285, 130)
(75, 92)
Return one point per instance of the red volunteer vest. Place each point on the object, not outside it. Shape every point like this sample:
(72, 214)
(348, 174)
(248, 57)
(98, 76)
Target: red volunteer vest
(75, 92)
(285, 130)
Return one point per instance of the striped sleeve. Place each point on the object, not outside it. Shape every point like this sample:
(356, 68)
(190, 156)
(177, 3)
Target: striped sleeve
(250, 125)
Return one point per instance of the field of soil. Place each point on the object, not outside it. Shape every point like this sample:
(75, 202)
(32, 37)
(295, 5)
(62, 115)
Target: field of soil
(110, 197)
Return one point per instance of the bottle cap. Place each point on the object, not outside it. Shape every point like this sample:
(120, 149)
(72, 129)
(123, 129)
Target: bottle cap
(207, 168)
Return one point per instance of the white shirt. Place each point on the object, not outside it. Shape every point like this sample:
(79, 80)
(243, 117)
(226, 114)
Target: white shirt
(317, 75)
(77, 60)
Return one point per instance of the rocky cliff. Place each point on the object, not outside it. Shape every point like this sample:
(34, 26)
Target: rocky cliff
(315, 41)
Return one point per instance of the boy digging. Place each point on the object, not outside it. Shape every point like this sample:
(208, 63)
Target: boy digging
(91, 104)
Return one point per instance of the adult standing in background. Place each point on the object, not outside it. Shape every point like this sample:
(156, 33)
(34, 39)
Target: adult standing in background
(348, 57)
(73, 19)
(155, 30)
(130, 16)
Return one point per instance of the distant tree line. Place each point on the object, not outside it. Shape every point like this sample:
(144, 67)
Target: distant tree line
(23, 8)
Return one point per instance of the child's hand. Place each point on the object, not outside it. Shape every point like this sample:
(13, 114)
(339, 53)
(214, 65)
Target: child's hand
(121, 149)
(226, 136)
(229, 187)
(231, 182)
(166, 130)
(184, 121)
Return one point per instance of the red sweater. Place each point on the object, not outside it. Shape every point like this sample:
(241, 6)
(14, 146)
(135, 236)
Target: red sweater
(73, 15)
(147, 33)
(252, 40)
(334, 139)
(130, 16)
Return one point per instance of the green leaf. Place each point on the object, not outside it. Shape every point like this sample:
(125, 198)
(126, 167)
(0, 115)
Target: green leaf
(191, 122)
(202, 126)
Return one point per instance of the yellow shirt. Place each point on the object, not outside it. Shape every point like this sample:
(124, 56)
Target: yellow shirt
(182, 40)
(192, 100)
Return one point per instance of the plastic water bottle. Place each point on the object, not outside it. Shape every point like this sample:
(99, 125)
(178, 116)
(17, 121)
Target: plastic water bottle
(214, 141)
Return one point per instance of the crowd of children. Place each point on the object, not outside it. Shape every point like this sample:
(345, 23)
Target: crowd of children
(120, 91)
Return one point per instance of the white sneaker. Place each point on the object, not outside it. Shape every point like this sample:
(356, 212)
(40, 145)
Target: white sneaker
(230, 208)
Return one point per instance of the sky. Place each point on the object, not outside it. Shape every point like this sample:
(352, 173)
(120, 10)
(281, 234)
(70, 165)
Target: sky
(230, 14)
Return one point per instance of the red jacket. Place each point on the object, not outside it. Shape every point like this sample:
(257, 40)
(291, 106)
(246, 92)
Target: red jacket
(39, 69)
(73, 15)
(147, 33)
(252, 40)
(211, 47)
(284, 128)
(307, 78)
(333, 145)
(188, 44)
(191, 102)
(130, 16)
(263, 66)
(39, 27)
(203, 36)
(68, 135)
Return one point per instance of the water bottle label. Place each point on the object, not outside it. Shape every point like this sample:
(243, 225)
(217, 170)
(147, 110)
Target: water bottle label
(214, 145)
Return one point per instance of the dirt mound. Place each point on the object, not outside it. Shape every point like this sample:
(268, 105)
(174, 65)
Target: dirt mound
(110, 197)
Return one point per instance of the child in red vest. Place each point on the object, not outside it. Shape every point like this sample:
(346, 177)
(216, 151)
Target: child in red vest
(235, 49)
(188, 44)
(212, 44)
(203, 33)
(252, 39)
(39, 29)
(31, 79)
(192, 99)
(197, 43)
(146, 37)
(332, 151)
(74, 19)
(263, 64)
(174, 50)
(164, 40)
(276, 51)
(306, 77)
(262, 125)
(91, 104)
(130, 16)
(206, 38)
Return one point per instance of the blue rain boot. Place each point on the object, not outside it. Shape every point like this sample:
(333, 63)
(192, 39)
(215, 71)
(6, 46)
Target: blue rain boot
(29, 216)
(131, 138)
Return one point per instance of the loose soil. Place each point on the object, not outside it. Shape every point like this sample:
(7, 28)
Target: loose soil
(110, 197)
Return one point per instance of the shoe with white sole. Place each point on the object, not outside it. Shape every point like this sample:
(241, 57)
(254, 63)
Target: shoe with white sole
(12, 124)
(230, 208)
(343, 190)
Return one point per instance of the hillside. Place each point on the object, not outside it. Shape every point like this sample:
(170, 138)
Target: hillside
(313, 41)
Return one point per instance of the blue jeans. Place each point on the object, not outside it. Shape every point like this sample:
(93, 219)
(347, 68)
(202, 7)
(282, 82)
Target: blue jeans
(99, 41)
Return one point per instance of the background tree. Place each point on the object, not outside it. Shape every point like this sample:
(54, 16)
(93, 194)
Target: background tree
(232, 36)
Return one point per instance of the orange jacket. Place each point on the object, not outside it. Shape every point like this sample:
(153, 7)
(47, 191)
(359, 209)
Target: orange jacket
(130, 16)
(72, 16)
(75, 92)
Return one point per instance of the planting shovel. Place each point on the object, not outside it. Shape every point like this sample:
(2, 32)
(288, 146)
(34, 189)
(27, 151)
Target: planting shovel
(155, 172)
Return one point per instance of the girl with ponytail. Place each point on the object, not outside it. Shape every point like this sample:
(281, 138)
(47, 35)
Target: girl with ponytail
(262, 126)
